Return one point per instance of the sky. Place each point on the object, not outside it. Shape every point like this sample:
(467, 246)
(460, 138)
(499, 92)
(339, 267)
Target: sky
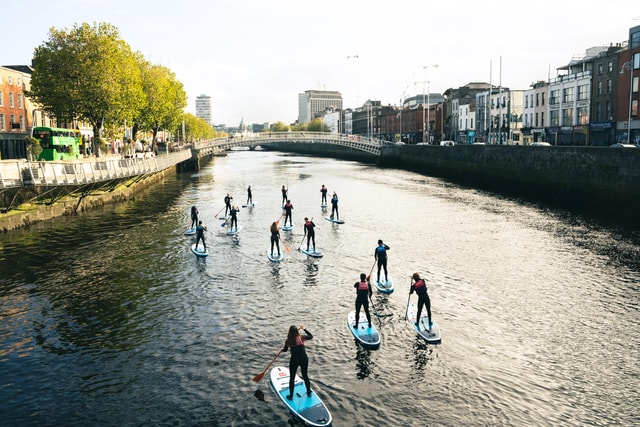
(253, 57)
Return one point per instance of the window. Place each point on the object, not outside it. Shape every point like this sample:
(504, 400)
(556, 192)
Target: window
(599, 88)
(568, 94)
(599, 69)
(634, 108)
(609, 86)
(567, 117)
(542, 119)
(635, 84)
(636, 60)
(610, 66)
(598, 112)
(554, 117)
(10, 99)
(583, 92)
(536, 122)
(583, 115)
(9, 80)
(607, 112)
(1, 99)
(542, 100)
(554, 97)
(20, 100)
(22, 123)
(537, 99)
(2, 121)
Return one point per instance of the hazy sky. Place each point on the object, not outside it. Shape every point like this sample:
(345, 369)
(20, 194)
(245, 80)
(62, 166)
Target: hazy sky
(254, 57)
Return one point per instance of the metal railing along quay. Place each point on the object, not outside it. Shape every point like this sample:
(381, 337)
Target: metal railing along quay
(20, 173)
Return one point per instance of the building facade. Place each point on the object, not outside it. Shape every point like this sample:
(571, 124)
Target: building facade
(313, 103)
(203, 108)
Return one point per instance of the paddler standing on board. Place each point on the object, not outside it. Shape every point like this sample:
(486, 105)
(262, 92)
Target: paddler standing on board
(364, 292)
(380, 254)
(310, 233)
(200, 229)
(420, 286)
(295, 342)
(334, 206)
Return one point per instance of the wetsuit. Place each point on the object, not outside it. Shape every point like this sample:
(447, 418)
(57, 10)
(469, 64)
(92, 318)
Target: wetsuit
(423, 298)
(299, 358)
(275, 237)
(234, 218)
(381, 255)
(194, 216)
(287, 210)
(284, 195)
(324, 190)
(200, 236)
(310, 232)
(249, 196)
(227, 204)
(364, 292)
(334, 207)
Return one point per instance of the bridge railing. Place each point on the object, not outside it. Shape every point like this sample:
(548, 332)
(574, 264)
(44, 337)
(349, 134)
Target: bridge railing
(371, 145)
(19, 173)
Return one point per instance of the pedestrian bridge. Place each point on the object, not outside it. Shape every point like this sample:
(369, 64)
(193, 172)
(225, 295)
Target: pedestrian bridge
(356, 142)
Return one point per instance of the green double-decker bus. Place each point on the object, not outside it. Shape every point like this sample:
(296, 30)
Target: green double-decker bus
(57, 143)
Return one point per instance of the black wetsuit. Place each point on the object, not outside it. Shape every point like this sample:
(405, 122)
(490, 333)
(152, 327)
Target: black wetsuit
(334, 207)
(311, 234)
(364, 292)
(423, 298)
(381, 255)
(288, 207)
(200, 236)
(194, 216)
(227, 204)
(234, 218)
(299, 358)
(275, 237)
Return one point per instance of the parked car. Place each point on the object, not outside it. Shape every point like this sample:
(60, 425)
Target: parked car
(540, 144)
(449, 143)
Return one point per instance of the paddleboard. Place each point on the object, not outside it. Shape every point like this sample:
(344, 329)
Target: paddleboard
(323, 205)
(385, 286)
(200, 251)
(275, 257)
(288, 227)
(365, 335)
(234, 230)
(190, 231)
(250, 205)
(431, 336)
(311, 252)
(335, 221)
(308, 409)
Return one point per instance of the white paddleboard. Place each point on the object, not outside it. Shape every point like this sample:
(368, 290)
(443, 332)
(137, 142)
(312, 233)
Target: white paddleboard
(323, 205)
(234, 230)
(308, 409)
(385, 285)
(311, 252)
(288, 227)
(431, 335)
(365, 335)
(250, 205)
(275, 257)
(190, 231)
(200, 251)
(335, 221)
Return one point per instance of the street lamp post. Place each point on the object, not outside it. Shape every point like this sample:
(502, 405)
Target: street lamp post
(427, 132)
(630, 65)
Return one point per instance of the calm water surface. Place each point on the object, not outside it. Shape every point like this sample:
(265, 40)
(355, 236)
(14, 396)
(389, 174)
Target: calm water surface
(108, 319)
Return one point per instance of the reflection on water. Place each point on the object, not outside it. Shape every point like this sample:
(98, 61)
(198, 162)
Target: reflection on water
(108, 319)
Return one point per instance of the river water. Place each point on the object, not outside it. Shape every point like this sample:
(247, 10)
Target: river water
(108, 319)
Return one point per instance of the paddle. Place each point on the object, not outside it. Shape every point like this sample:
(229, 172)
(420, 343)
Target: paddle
(408, 299)
(261, 374)
(371, 271)
(216, 215)
(286, 248)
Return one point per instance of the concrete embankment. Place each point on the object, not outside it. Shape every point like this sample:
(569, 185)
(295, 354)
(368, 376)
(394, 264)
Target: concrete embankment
(28, 214)
(599, 181)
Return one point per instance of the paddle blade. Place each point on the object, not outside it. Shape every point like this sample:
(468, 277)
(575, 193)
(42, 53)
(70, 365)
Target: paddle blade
(368, 278)
(258, 377)
(287, 248)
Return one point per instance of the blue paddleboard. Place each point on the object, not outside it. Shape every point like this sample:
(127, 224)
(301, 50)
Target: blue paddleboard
(311, 252)
(250, 205)
(365, 335)
(288, 227)
(234, 230)
(384, 286)
(190, 231)
(431, 335)
(275, 257)
(308, 409)
(335, 221)
(200, 251)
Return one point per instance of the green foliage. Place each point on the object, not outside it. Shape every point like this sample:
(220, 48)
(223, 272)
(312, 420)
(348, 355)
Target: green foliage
(87, 72)
(317, 125)
(33, 147)
(279, 127)
(298, 127)
(196, 129)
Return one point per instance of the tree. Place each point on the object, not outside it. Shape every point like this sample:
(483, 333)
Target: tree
(87, 73)
(317, 125)
(279, 127)
(164, 99)
(196, 128)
